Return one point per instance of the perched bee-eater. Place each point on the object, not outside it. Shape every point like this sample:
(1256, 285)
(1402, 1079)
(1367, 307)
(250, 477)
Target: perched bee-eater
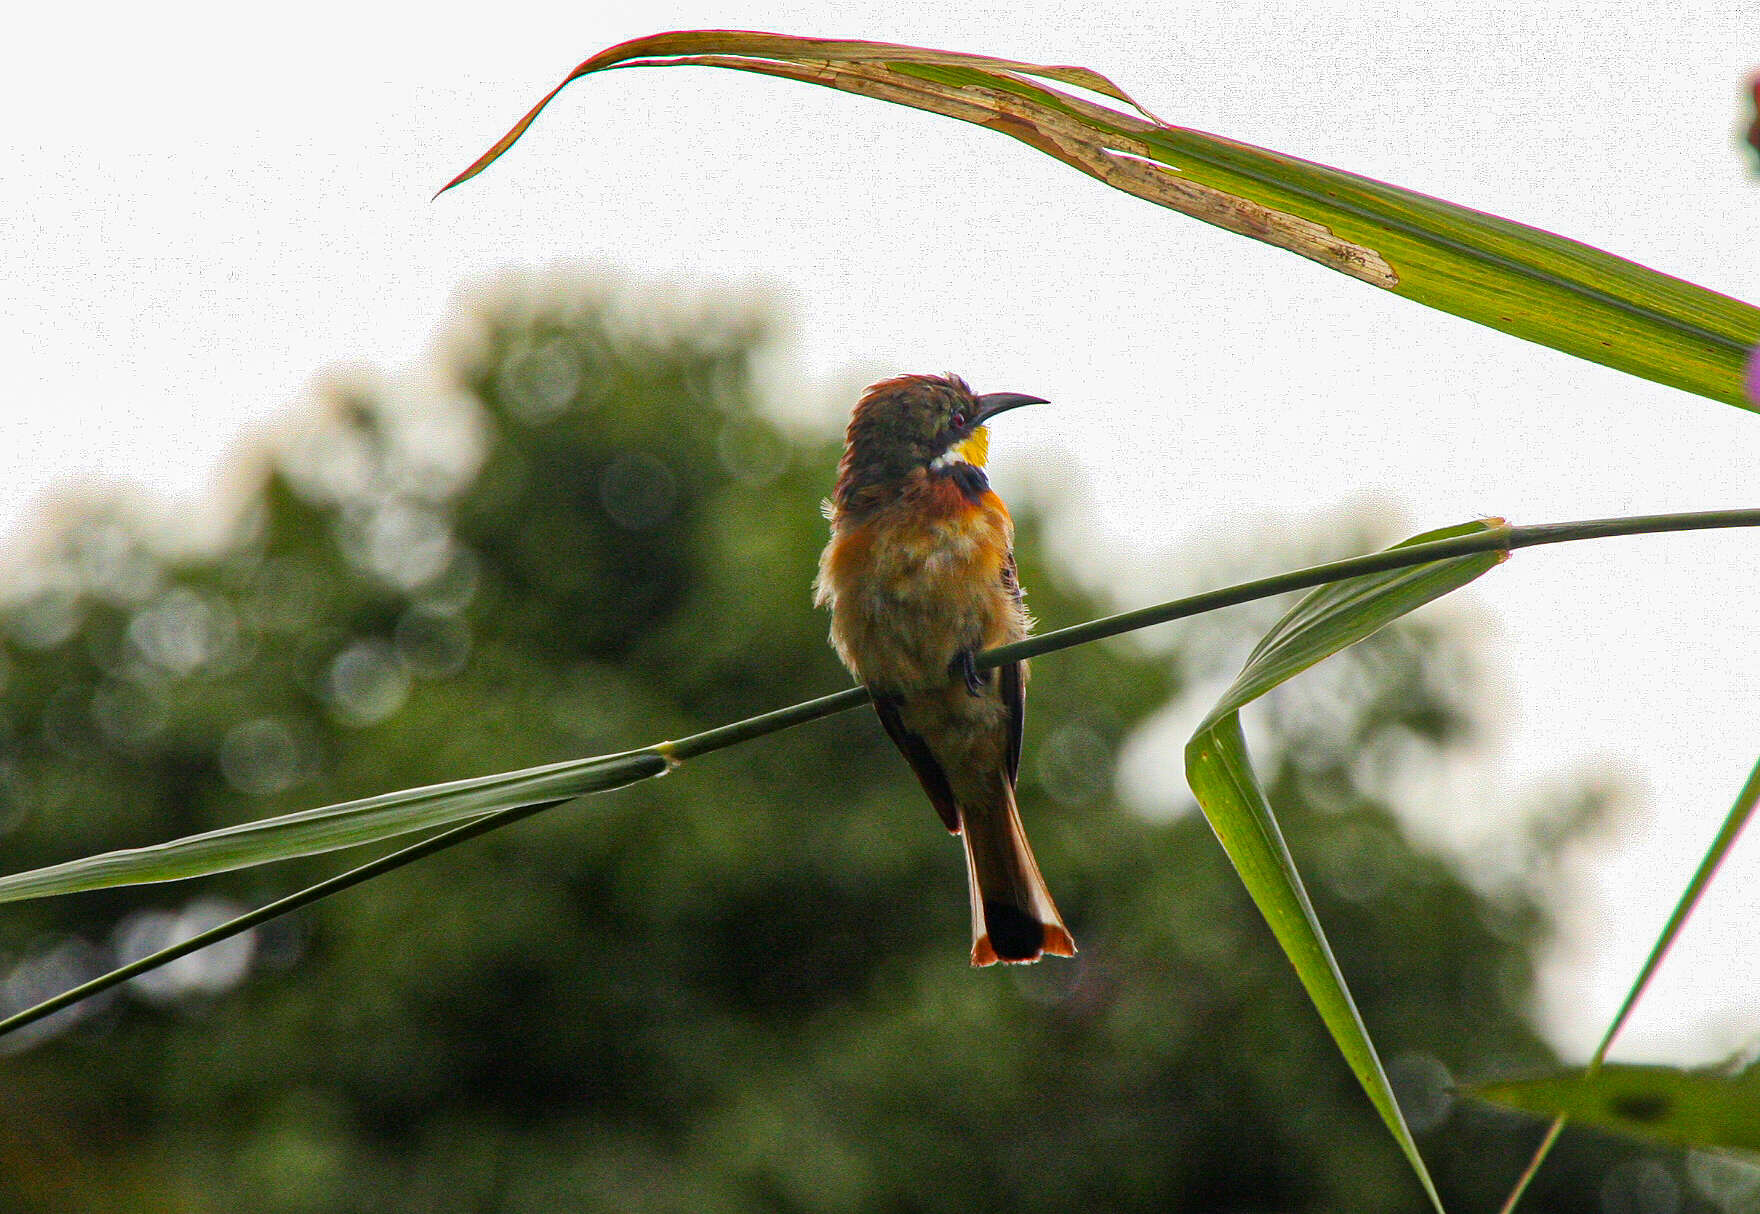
(920, 578)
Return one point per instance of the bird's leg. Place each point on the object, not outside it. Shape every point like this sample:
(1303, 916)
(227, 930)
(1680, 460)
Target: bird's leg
(965, 665)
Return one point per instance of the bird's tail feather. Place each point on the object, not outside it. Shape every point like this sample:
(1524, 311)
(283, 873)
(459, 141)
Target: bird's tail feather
(1013, 917)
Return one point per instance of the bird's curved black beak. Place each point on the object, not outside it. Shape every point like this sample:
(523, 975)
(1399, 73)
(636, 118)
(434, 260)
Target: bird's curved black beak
(992, 403)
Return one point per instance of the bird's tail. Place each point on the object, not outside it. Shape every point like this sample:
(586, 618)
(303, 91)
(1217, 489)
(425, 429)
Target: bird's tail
(1013, 917)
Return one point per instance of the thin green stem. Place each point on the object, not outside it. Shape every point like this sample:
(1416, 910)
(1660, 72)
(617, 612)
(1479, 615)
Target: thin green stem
(1504, 537)
(1638, 524)
(1496, 538)
(1501, 537)
(723, 736)
(1733, 822)
(1515, 1194)
(1727, 834)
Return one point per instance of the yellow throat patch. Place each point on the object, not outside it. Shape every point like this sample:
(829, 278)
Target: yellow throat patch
(974, 448)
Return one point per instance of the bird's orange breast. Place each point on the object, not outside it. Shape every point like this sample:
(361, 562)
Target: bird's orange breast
(918, 582)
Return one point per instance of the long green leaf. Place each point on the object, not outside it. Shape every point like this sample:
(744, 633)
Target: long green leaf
(1337, 616)
(239, 924)
(1221, 775)
(1522, 280)
(1709, 1108)
(349, 824)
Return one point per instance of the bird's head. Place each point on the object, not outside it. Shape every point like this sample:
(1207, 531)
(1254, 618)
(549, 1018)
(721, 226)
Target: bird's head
(933, 423)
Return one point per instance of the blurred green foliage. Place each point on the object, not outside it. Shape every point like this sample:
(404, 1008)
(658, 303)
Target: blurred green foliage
(741, 988)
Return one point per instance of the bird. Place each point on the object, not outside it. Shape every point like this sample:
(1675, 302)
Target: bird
(919, 576)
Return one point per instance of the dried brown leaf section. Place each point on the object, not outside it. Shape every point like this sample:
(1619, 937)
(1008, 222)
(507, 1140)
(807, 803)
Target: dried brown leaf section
(1005, 95)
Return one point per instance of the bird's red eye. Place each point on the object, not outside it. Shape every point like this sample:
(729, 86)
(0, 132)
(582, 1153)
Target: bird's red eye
(959, 421)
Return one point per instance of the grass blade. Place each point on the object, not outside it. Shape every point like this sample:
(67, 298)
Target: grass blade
(1733, 822)
(1338, 615)
(1702, 1108)
(1727, 834)
(1522, 280)
(273, 910)
(349, 824)
(1221, 775)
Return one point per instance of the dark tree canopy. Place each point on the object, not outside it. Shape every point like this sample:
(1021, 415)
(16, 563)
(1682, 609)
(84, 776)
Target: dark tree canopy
(743, 987)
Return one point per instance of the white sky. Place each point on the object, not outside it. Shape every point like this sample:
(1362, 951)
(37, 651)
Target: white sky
(202, 208)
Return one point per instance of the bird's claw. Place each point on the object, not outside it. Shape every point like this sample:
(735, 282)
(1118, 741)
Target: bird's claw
(966, 666)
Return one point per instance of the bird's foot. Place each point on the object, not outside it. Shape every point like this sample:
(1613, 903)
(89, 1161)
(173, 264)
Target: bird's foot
(966, 666)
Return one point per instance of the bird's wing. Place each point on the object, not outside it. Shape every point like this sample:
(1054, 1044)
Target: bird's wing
(917, 754)
(1014, 697)
(1014, 687)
